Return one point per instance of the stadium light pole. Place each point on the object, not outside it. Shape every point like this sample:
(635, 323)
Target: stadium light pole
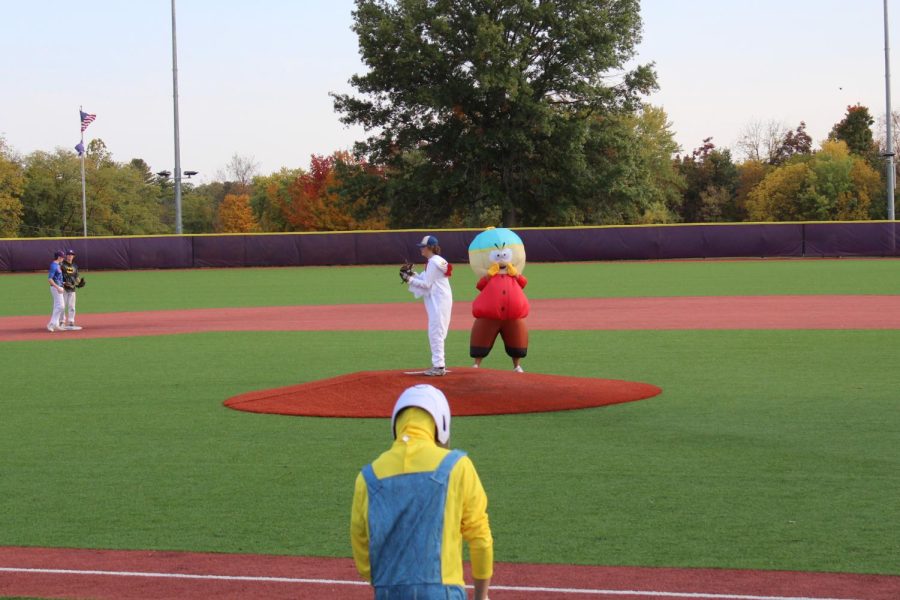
(177, 141)
(889, 119)
(164, 176)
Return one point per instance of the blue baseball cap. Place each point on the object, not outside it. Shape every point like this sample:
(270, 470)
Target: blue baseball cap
(58, 254)
(428, 240)
(70, 251)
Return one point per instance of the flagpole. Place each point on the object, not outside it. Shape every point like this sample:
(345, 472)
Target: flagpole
(83, 193)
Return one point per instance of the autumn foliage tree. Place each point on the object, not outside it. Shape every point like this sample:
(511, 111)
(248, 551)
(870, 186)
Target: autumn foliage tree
(270, 193)
(319, 200)
(832, 184)
(750, 174)
(311, 203)
(235, 214)
(12, 182)
(360, 188)
(793, 143)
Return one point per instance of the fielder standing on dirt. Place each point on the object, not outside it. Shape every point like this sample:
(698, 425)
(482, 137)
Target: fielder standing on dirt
(55, 277)
(433, 284)
(415, 504)
(71, 282)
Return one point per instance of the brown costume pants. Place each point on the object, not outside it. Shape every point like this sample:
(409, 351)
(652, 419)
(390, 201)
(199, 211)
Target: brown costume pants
(485, 331)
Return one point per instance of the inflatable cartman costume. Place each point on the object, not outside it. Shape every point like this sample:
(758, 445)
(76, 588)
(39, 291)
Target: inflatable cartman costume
(498, 257)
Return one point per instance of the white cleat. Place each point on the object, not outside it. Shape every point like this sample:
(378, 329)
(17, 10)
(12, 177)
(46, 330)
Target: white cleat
(72, 328)
(519, 369)
(50, 327)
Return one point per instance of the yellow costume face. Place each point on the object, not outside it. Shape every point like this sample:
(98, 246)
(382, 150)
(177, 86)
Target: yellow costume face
(494, 250)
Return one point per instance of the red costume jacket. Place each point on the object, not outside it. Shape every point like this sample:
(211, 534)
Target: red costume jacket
(501, 298)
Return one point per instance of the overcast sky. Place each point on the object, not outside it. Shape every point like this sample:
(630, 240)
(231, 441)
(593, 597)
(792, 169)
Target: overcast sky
(254, 76)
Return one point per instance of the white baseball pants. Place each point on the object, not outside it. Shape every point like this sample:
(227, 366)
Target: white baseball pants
(59, 307)
(438, 326)
(69, 313)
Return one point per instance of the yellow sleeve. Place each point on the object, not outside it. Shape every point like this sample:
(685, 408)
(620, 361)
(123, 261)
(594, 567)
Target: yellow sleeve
(476, 529)
(359, 528)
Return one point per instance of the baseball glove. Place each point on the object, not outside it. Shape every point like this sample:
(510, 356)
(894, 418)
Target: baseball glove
(80, 282)
(406, 272)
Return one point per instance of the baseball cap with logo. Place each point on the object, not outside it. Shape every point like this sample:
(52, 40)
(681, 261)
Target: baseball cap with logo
(70, 251)
(428, 240)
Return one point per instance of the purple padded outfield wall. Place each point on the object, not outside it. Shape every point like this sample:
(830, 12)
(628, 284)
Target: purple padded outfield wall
(652, 242)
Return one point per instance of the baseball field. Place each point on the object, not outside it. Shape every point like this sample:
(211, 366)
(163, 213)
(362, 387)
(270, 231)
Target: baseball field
(772, 454)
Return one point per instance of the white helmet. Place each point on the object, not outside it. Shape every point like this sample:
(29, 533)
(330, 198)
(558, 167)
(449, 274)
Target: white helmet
(430, 399)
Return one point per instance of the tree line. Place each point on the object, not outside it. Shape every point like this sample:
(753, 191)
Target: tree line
(478, 112)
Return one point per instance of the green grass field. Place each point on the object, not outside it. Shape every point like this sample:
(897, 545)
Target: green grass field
(25, 294)
(767, 449)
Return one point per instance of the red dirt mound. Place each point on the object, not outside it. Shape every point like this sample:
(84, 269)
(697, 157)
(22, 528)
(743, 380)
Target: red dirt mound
(470, 392)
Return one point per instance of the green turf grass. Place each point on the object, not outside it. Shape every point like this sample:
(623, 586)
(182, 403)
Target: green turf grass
(27, 294)
(768, 449)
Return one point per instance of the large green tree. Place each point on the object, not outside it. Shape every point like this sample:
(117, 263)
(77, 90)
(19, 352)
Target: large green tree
(662, 183)
(629, 175)
(120, 200)
(483, 108)
(200, 207)
(52, 194)
(711, 183)
(855, 129)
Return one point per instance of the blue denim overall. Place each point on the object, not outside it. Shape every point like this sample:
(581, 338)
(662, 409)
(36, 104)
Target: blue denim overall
(406, 524)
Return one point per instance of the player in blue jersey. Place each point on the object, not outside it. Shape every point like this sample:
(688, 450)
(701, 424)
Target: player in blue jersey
(55, 277)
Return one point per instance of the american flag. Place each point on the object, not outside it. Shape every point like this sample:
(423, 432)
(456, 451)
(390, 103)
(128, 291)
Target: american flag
(86, 120)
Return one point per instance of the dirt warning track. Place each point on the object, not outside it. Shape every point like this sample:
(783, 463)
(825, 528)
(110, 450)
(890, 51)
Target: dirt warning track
(707, 312)
(147, 575)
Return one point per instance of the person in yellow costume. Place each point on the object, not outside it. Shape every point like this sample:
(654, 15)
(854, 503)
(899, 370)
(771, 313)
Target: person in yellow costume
(415, 504)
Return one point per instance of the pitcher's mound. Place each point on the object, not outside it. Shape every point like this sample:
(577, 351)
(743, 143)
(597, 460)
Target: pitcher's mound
(469, 391)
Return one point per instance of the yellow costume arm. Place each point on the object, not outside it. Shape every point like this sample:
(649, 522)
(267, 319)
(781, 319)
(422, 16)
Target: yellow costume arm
(359, 528)
(476, 528)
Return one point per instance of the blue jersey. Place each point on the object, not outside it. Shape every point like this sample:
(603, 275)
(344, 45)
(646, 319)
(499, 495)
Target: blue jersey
(55, 273)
